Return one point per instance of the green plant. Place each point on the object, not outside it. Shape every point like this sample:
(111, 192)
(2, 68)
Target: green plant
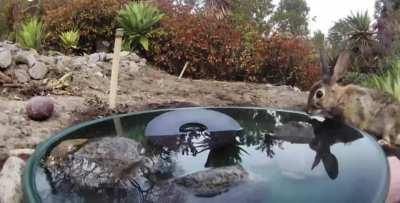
(139, 21)
(95, 20)
(31, 33)
(70, 39)
(388, 81)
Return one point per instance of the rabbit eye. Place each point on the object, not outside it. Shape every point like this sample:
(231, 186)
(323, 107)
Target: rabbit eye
(319, 94)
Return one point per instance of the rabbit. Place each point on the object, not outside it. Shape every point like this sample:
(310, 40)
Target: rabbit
(372, 111)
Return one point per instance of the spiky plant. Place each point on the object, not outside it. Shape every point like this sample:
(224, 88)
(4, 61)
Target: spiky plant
(70, 39)
(139, 21)
(388, 81)
(31, 34)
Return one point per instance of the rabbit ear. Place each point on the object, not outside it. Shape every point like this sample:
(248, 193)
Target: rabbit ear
(341, 66)
(326, 72)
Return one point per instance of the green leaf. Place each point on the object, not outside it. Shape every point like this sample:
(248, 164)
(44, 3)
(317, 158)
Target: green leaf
(144, 42)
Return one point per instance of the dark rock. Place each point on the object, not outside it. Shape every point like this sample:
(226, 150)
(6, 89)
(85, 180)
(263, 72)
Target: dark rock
(214, 181)
(40, 108)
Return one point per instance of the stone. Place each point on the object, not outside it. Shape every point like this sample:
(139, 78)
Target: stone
(94, 58)
(22, 75)
(25, 57)
(11, 180)
(38, 71)
(40, 108)
(214, 181)
(108, 57)
(5, 58)
(102, 162)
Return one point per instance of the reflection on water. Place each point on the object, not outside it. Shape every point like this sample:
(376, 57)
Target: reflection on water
(281, 151)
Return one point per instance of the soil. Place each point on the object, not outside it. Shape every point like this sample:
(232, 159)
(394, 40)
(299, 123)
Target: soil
(144, 89)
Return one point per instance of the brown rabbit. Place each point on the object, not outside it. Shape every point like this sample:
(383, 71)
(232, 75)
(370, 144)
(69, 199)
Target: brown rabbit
(370, 110)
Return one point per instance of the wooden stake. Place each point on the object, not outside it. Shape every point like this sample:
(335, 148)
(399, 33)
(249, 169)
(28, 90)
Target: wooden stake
(183, 70)
(118, 126)
(115, 68)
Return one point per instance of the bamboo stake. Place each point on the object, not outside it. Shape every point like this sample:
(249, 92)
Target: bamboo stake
(183, 70)
(115, 68)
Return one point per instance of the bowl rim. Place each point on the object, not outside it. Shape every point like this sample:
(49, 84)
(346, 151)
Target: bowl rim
(29, 188)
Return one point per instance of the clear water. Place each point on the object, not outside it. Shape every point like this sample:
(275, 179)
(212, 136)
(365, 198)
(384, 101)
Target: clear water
(280, 171)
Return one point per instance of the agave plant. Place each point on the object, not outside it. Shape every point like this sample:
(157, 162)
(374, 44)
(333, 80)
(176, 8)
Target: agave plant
(31, 33)
(388, 82)
(70, 39)
(139, 21)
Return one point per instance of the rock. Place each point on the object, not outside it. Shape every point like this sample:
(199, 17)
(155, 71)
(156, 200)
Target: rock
(214, 181)
(40, 108)
(25, 57)
(78, 62)
(108, 57)
(94, 58)
(102, 162)
(5, 58)
(22, 75)
(38, 71)
(10, 180)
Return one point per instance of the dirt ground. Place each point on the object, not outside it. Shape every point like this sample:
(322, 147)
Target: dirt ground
(143, 89)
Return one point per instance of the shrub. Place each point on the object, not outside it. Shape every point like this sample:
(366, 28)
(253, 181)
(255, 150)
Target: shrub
(139, 21)
(219, 49)
(95, 19)
(70, 40)
(31, 33)
(388, 82)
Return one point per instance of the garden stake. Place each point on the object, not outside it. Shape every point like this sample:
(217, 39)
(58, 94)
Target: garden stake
(183, 70)
(115, 68)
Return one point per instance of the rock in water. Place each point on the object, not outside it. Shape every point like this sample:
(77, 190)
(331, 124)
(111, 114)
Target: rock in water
(40, 108)
(10, 180)
(5, 58)
(214, 181)
(107, 162)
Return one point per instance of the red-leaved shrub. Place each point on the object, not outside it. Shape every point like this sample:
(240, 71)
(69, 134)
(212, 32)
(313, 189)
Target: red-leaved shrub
(219, 49)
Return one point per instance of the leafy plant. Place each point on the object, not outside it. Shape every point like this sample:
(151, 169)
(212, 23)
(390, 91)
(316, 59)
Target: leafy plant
(388, 81)
(95, 20)
(31, 33)
(139, 21)
(70, 39)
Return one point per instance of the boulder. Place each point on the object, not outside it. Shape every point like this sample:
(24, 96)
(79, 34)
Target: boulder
(21, 74)
(10, 180)
(38, 71)
(25, 57)
(5, 58)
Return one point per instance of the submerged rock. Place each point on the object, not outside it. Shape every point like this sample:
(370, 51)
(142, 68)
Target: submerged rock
(214, 181)
(99, 163)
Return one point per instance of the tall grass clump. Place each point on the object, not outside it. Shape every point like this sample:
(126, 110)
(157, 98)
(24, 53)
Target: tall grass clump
(389, 81)
(30, 34)
(139, 21)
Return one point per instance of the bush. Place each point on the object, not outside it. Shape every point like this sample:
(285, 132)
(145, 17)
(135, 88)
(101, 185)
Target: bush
(139, 21)
(388, 82)
(218, 49)
(31, 34)
(95, 19)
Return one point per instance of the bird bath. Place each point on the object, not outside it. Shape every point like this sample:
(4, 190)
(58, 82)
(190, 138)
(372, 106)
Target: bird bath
(279, 156)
